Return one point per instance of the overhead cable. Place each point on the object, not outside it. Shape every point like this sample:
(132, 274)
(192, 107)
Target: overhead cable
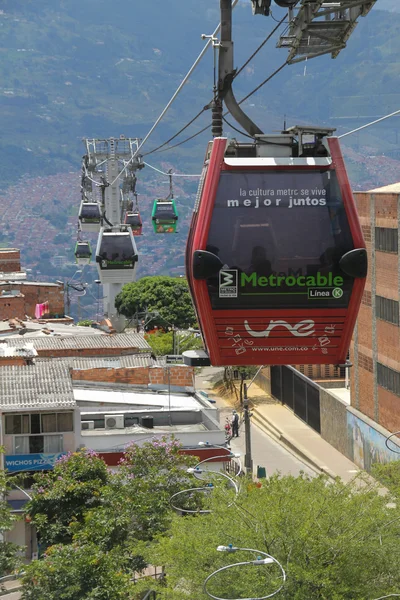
(369, 124)
(170, 174)
(180, 86)
(264, 82)
(178, 133)
(227, 112)
(236, 129)
(259, 47)
(205, 108)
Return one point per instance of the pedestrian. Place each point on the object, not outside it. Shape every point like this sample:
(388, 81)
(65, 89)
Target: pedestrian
(235, 424)
(228, 429)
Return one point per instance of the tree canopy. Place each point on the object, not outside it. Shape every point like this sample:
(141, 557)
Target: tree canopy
(9, 560)
(96, 537)
(163, 343)
(335, 542)
(167, 296)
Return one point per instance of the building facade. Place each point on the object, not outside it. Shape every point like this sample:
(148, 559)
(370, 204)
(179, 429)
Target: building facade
(375, 352)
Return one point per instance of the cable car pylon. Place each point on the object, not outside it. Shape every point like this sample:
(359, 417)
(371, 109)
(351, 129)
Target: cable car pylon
(108, 180)
(275, 259)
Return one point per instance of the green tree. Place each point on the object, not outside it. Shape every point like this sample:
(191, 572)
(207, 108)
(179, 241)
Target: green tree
(85, 323)
(63, 495)
(107, 538)
(163, 343)
(9, 560)
(335, 542)
(389, 475)
(167, 296)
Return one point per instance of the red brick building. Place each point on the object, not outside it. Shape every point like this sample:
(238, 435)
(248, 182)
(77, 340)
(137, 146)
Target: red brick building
(375, 377)
(18, 297)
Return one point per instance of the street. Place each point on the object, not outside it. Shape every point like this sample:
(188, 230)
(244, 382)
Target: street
(266, 451)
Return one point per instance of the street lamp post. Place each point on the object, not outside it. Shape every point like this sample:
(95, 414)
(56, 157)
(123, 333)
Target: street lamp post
(264, 559)
(248, 461)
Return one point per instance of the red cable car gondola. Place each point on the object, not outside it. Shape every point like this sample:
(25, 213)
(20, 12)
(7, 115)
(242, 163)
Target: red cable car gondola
(133, 219)
(276, 260)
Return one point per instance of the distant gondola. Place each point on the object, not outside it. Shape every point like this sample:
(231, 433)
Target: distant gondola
(116, 255)
(83, 253)
(90, 216)
(164, 216)
(133, 219)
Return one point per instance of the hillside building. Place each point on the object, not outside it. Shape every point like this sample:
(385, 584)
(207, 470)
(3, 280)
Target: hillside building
(19, 297)
(59, 393)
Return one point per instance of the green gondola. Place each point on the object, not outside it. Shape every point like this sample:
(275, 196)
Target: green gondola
(164, 216)
(83, 253)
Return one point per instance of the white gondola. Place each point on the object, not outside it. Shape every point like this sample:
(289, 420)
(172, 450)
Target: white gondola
(116, 255)
(90, 216)
(83, 253)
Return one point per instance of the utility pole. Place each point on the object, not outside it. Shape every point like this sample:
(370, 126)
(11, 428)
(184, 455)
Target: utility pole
(248, 460)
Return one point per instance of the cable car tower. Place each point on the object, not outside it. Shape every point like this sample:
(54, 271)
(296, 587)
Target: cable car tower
(276, 261)
(108, 184)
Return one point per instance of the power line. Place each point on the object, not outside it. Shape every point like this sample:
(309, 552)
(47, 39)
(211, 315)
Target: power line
(369, 124)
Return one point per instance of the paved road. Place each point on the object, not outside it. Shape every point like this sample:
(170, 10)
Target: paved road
(265, 450)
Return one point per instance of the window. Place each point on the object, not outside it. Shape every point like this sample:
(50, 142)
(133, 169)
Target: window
(53, 444)
(17, 424)
(388, 378)
(65, 422)
(37, 423)
(387, 310)
(386, 239)
(38, 444)
(49, 423)
(277, 235)
(21, 444)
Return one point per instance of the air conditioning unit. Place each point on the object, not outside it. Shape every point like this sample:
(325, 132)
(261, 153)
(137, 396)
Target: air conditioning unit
(87, 425)
(114, 421)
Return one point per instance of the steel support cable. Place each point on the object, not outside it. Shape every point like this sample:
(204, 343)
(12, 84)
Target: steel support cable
(269, 36)
(180, 86)
(176, 134)
(227, 112)
(396, 112)
(171, 174)
(236, 74)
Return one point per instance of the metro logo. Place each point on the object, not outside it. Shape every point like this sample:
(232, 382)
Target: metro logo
(301, 329)
(228, 278)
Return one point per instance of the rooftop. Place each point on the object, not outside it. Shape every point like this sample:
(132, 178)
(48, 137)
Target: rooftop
(39, 386)
(138, 399)
(111, 362)
(393, 188)
(66, 342)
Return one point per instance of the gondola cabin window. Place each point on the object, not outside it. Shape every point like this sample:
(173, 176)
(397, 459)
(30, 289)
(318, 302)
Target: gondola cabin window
(283, 235)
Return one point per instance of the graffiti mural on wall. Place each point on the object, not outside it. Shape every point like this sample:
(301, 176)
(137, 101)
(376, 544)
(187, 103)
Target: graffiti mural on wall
(366, 444)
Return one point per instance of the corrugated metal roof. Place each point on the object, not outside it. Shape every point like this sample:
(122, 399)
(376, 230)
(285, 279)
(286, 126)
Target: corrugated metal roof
(112, 362)
(118, 340)
(42, 385)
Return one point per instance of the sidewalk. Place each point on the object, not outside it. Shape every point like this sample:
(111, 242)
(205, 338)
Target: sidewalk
(280, 423)
(297, 437)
